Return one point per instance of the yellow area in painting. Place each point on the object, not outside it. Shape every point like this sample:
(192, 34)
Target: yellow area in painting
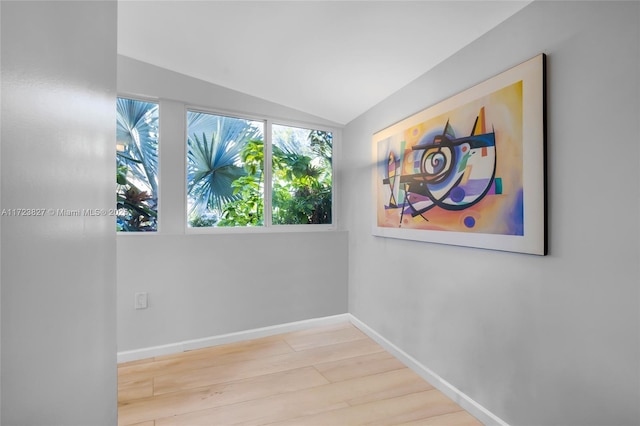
(481, 126)
(413, 134)
(465, 175)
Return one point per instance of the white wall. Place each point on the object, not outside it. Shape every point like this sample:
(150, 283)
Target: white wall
(0, 223)
(58, 273)
(536, 340)
(207, 285)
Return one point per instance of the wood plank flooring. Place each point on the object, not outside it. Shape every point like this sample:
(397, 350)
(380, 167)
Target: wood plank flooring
(334, 375)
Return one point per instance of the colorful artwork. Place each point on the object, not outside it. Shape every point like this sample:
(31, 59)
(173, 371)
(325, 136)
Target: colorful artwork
(470, 170)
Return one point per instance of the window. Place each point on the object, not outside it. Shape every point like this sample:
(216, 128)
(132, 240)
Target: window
(301, 180)
(231, 162)
(225, 179)
(137, 166)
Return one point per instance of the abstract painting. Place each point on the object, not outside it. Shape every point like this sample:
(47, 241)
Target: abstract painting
(470, 170)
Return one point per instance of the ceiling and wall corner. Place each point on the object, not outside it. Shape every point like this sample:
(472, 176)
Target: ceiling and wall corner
(259, 57)
(332, 59)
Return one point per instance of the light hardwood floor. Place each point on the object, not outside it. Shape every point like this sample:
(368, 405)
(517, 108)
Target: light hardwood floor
(333, 375)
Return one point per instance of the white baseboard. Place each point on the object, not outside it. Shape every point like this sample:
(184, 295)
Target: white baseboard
(471, 406)
(255, 333)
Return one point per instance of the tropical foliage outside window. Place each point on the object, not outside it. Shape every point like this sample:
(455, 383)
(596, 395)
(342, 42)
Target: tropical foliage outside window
(224, 171)
(302, 178)
(137, 166)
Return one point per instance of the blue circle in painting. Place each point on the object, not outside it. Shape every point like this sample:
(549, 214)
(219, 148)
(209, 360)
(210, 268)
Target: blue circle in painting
(457, 194)
(469, 222)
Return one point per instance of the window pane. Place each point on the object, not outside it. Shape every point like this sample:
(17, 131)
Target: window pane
(137, 165)
(225, 163)
(301, 176)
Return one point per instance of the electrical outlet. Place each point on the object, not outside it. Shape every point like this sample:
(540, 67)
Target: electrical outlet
(140, 301)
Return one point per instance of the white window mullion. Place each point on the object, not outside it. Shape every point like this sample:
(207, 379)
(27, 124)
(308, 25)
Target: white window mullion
(267, 174)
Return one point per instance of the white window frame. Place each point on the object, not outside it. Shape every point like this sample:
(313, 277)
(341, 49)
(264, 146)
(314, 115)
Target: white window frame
(267, 227)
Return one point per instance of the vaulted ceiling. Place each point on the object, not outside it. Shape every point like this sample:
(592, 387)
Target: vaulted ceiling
(332, 59)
